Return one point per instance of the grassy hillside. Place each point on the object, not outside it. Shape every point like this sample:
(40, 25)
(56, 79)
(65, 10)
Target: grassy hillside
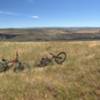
(77, 79)
(48, 34)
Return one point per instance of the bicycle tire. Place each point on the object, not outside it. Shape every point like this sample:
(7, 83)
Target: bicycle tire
(60, 58)
(44, 62)
(3, 67)
(19, 67)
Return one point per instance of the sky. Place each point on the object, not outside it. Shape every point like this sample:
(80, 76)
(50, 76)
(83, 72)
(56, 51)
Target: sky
(49, 13)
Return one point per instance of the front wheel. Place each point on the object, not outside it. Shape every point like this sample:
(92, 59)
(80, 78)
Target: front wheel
(60, 58)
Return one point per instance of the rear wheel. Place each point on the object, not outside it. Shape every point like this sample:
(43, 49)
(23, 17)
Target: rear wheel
(44, 62)
(3, 67)
(60, 58)
(19, 67)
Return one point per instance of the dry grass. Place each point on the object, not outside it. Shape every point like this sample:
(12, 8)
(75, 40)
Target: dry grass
(77, 79)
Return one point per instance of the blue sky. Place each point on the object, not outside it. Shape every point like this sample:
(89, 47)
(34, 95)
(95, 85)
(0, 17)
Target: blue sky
(49, 13)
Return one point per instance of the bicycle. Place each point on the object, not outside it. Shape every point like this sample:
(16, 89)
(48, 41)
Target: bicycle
(59, 59)
(16, 63)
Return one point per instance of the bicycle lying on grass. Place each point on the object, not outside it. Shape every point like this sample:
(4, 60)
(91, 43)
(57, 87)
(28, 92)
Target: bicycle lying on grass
(16, 63)
(59, 59)
(19, 65)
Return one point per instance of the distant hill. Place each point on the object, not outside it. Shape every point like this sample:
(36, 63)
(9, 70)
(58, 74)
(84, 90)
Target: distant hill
(50, 34)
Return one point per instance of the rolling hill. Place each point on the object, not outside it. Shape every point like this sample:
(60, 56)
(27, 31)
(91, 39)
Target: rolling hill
(49, 34)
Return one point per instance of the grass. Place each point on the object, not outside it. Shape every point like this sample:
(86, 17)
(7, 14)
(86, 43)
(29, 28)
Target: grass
(77, 79)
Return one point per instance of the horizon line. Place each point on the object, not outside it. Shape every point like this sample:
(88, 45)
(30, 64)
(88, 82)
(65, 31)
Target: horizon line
(49, 27)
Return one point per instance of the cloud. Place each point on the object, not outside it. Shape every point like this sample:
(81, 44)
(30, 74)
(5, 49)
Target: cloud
(35, 17)
(8, 13)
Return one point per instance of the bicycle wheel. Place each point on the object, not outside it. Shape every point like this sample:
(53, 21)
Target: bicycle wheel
(44, 62)
(3, 67)
(60, 58)
(19, 67)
